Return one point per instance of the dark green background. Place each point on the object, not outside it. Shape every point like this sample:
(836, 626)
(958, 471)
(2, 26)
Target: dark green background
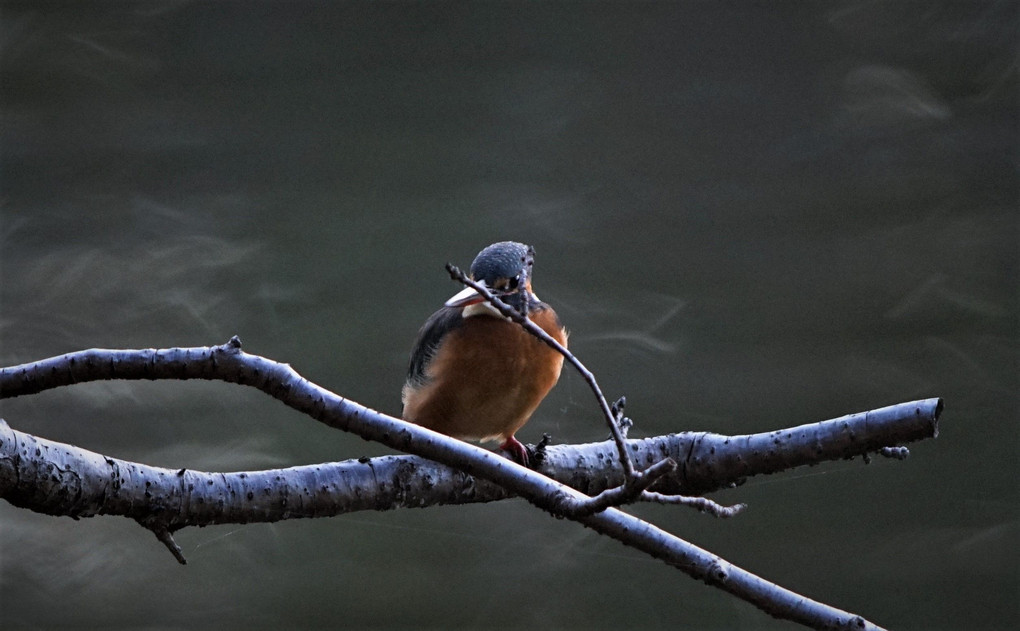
(750, 216)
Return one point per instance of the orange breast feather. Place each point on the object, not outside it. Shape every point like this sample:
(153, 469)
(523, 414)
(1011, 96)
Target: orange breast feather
(487, 378)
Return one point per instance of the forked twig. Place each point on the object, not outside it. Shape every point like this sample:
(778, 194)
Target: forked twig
(228, 363)
(521, 318)
(635, 482)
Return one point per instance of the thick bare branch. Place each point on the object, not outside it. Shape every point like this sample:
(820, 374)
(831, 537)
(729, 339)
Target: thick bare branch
(228, 363)
(55, 478)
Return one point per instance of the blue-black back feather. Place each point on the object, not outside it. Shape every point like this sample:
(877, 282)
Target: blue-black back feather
(430, 337)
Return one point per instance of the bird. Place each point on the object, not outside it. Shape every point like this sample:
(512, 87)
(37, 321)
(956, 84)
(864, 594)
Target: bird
(475, 374)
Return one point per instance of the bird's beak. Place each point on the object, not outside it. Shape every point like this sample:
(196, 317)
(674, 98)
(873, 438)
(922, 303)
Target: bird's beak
(464, 298)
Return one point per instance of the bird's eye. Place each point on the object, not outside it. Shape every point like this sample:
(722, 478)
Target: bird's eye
(513, 283)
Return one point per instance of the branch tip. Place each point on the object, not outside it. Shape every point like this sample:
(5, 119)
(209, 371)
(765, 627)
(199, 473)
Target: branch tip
(896, 453)
(455, 272)
(166, 538)
(701, 504)
(618, 406)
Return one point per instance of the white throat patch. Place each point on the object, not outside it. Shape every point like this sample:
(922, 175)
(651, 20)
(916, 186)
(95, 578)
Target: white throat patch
(482, 308)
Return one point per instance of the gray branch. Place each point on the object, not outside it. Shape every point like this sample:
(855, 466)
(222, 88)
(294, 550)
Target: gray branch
(60, 479)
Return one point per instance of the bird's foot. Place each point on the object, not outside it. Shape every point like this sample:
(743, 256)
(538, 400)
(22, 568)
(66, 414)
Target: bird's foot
(518, 452)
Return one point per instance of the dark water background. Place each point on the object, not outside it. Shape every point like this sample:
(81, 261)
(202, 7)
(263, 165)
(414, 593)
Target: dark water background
(750, 216)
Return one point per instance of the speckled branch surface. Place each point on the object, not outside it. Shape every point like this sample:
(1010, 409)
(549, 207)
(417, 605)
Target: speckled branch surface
(59, 479)
(171, 499)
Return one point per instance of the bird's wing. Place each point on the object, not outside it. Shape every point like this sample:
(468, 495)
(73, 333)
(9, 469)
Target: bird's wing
(430, 337)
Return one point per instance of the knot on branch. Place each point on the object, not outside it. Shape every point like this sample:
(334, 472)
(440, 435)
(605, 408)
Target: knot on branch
(537, 453)
(233, 344)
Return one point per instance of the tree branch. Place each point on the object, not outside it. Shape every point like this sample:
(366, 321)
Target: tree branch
(612, 415)
(60, 479)
(229, 363)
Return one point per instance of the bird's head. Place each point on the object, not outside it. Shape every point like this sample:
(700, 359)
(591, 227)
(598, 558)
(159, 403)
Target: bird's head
(504, 269)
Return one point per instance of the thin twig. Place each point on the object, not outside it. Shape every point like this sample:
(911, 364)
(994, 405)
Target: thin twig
(703, 504)
(622, 421)
(635, 482)
(166, 538)
(628, 493)
(512, 314)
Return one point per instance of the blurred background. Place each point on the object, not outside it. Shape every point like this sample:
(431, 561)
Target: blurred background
(750, 216)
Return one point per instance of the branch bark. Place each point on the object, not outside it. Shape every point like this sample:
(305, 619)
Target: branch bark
(175, 499)
(59, 479)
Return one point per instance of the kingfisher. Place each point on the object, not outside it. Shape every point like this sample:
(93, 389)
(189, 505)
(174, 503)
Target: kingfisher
(476, 375)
